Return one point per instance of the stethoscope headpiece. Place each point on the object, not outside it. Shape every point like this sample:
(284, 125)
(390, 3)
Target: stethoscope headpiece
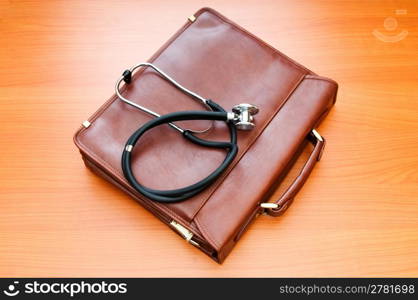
(241, 115)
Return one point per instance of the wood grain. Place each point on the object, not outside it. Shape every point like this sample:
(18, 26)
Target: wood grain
(356, 216)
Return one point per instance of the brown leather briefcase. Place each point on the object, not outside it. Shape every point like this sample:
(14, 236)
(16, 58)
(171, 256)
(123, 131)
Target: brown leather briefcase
(221, 61)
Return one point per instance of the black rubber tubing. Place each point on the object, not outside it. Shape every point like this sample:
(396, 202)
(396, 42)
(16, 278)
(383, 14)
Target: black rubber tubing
(181, 194)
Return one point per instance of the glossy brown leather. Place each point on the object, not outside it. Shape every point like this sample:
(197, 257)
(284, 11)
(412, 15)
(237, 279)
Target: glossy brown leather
(284, 201)
(219, 60)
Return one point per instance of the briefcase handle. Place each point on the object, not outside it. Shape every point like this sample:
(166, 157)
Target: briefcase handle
(278, 207)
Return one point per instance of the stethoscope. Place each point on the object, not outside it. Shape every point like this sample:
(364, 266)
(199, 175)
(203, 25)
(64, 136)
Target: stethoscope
(240, 118)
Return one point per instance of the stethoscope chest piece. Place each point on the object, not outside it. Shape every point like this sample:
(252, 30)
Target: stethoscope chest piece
(241, 117)
(244, 116)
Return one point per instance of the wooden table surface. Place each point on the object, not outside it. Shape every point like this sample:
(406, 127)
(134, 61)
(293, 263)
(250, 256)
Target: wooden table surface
(356, 216)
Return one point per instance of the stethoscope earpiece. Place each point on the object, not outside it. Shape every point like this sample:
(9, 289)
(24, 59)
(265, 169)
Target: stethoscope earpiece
(241, 118)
